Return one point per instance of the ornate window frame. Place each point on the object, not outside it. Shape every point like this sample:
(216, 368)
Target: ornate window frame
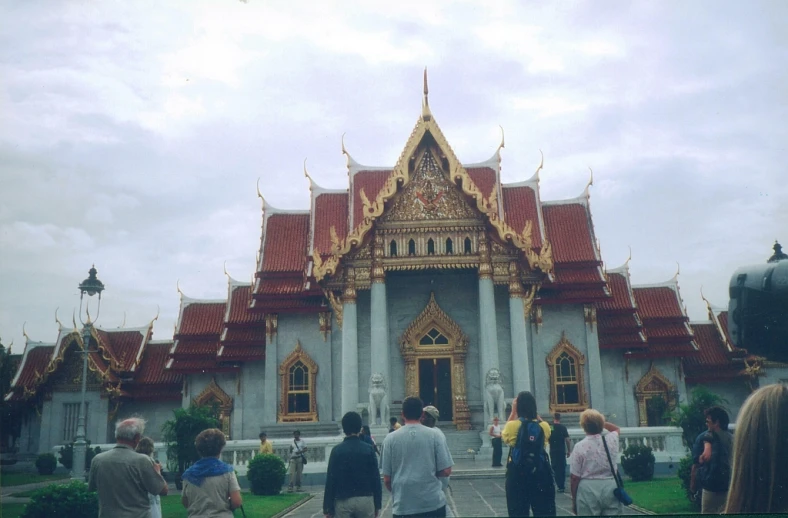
(565, 346)
(213, 394)
(294, 357)
(653, 384)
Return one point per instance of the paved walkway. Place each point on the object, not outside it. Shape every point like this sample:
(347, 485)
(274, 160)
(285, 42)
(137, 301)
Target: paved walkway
(469, 497)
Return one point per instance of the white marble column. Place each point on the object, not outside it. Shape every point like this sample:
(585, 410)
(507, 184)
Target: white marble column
(349, 399)
(270, 385)
(521, 368)
(379, 323)
(595, 379)
(488, 328)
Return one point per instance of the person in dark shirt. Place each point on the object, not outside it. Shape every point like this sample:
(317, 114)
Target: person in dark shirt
(560, 448)
(352, 481)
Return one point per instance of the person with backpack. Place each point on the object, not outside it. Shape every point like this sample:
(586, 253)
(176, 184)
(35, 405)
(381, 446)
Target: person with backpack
(717, 443)
(529, 478)
(591, 468)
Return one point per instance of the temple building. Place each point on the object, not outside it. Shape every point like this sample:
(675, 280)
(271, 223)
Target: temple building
(428, 277)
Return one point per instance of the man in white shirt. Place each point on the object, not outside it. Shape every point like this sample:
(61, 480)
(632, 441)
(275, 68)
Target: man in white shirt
(414, 459)
(297, 450)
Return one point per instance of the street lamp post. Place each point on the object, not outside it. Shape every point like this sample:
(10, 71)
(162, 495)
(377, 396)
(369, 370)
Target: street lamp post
(90, 286)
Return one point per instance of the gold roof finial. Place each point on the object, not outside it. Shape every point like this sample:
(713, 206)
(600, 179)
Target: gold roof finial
(178, 287)
(158, 310)
(306, 174)
(678, 270)
(123, 324)
(74, 319)
(626, 263)
(57, 320)
(259, 194)
(541, 165)
(425, 104)
(10, 347)
(224, 266)
(587, 191)
(501, 145)
(24, 333)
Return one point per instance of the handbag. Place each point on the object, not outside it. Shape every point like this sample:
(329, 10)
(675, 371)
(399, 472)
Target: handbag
(298, 450)
(619, 492)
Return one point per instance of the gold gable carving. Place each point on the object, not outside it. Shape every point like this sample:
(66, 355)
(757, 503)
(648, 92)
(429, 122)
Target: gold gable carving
(653, 384)
(434, 317)
(425, 128)
(429, 197)
(298, 354)
(213, 395)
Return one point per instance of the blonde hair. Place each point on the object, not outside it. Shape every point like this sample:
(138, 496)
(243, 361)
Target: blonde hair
(759, 472)
(592, 422)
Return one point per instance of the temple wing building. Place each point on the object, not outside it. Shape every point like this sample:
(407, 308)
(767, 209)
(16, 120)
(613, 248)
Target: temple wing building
(428, 277)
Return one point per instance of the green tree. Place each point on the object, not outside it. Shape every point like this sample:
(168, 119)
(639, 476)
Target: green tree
(690, 416)
(180, 431)
(10, 412)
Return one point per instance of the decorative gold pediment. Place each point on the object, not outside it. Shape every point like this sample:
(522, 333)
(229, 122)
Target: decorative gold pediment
(425, 134)
(433, 317)
(429, 196)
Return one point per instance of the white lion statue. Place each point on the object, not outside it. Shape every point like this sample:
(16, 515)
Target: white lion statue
(378, 399)
(494, 403)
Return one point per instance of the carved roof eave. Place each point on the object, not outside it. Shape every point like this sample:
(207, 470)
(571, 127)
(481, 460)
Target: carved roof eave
(400, 176)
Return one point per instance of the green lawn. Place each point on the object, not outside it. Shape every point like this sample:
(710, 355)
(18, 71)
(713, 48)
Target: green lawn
(257, 506)
(18, 479)
(661, 495)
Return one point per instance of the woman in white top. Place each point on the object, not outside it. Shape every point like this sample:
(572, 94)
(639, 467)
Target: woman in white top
(495, 433)
(592, 481)
(145, 446)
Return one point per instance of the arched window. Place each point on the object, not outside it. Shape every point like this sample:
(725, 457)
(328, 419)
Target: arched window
(467, 248)
(393, 248)
(449, 246)
(430, 247)
(566, 368)
(411, 247)
(656, 397)
(298, 375)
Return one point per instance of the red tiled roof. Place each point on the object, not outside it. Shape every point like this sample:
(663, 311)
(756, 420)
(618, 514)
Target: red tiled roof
(711, 349)
(657, 302)
(550, 295)
(722, 318)
(286, 237)
(201, 319)
(240, 298)
(587, 275)
(660, 330)
(620, 289)
(331, 209)
(281, 286)
(190, 365)
(372, 182)
(520, 206)
(242, 353)
(484, 178)
(122, 346)
(151, 370)
(616, 321)
(568, 229)
(35, 361)
(254, 334)
(195, 347)
(619, 340)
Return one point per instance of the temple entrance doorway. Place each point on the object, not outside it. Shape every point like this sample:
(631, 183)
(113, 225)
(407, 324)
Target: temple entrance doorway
(435, 385)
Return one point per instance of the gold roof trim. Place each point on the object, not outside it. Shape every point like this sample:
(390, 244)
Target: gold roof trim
(400, 176)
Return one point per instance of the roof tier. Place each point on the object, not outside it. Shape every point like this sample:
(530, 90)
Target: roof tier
(665, 322)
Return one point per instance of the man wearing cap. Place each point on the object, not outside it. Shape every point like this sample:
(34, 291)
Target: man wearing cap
(429, 419)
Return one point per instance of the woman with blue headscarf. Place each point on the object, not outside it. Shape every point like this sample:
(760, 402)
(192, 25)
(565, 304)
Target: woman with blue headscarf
(210, 487)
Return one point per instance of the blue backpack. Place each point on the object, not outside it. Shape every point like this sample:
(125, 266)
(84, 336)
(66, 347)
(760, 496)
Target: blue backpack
(528, 453)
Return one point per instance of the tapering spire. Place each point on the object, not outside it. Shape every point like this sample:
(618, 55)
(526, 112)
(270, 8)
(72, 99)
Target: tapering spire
(425, 104)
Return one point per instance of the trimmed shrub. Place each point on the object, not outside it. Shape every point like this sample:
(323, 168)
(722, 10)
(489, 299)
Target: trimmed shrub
(179, 434)
(638, 462)
(266, 474)
(66, 455)
(46, 463)
(72, 500)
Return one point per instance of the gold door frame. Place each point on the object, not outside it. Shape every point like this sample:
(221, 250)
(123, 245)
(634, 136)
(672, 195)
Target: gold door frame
(456, 350)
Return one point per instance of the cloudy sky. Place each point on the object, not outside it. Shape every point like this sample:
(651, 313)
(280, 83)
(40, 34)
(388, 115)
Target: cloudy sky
(132, 133)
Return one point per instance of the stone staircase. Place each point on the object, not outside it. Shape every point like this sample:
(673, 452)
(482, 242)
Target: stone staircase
(461, 441)
(319, 429)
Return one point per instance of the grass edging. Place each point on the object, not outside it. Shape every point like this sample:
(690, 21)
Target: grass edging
(294, 506)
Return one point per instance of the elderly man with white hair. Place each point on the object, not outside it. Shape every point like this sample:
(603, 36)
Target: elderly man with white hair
(123, 478)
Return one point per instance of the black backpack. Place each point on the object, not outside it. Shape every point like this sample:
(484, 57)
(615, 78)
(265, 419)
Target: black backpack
(717, 474)
(528, 453)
